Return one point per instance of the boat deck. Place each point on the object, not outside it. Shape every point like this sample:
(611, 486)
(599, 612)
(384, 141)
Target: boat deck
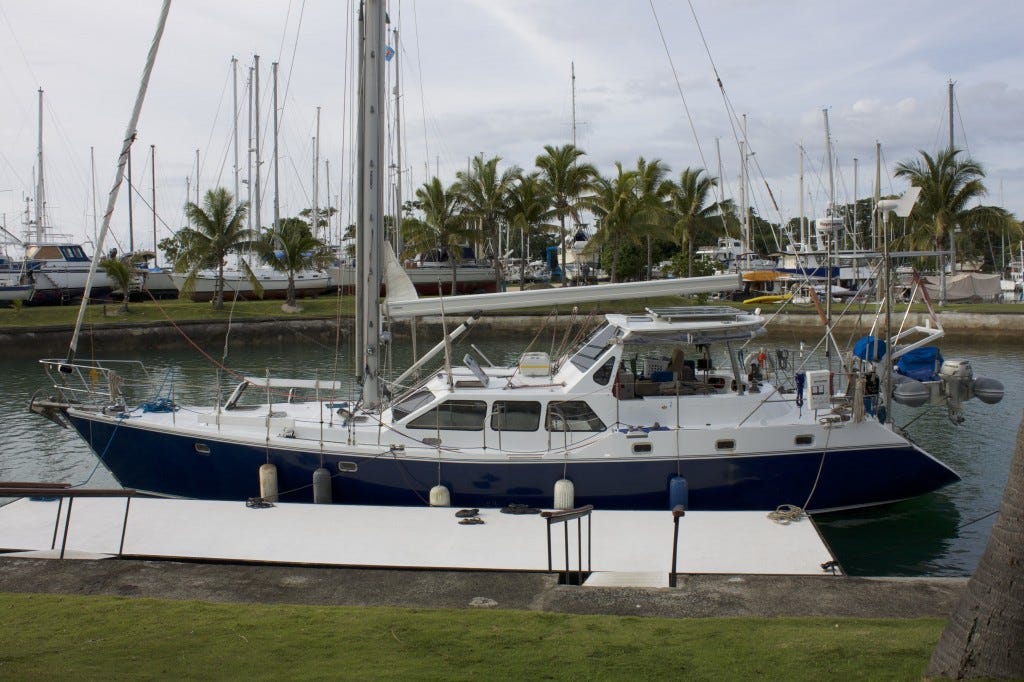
(626, 547)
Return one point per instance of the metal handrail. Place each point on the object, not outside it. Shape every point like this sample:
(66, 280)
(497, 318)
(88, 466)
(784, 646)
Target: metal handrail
(81, 382)
(62, 490)
(563, 517)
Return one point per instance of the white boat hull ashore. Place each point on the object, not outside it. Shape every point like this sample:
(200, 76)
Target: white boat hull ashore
(237, 283)
(12, 290)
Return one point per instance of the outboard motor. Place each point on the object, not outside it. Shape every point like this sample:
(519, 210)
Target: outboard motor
(959, 384)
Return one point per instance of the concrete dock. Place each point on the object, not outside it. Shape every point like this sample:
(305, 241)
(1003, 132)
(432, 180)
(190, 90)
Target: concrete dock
(462, 569)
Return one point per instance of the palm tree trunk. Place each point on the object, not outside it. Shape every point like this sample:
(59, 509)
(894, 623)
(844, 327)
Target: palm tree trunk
(218, 288)
(565, 249)
(522, 264)
(291, 289)
(689, 260)
(985, 633)
(650, 265)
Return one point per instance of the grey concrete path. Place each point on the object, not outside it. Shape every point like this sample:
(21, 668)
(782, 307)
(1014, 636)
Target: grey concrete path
(694, 597)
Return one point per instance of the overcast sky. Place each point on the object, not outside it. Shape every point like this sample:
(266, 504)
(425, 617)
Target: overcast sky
(494, 77)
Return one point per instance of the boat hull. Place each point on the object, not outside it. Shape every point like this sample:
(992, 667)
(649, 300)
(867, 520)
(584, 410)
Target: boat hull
(169, 464)
(15, 292)
(308, 284)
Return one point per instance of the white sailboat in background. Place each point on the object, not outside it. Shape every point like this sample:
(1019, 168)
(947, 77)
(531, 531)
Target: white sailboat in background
(55, 265)
(249, 280)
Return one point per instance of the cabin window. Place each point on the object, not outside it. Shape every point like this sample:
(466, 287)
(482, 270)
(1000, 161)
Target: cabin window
(725, 444)
(406, 406)
(805, 440)
(594, 347)
(515, 415)
(572, 415)
(603, 374)
(73, 253)
(453, 415)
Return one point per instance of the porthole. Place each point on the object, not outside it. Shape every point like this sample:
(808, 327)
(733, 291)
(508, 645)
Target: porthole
(348, 467)
(725, 444)
(202, 448)
(642, 448)
(805, 440)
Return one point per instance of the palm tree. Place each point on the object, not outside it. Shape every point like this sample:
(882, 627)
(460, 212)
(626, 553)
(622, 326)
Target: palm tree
(121, 273)
(653, 190)
(443, 225)
(949, 186)
(528, 209)
(613, 203)
(629, 208)
(484, 194)
(219, 230)
(290, 247)
(691, 214)
(567, 182)
(983, 637)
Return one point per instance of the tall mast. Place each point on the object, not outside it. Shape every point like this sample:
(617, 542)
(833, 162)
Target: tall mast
(234, 119)
(878, 195)
(572, 71)
(122, 160)
(197, 177)
(277, 187)
(803, 223)
(828, 244)
(152, 155)
(248, 153)
(745, 217)
(92, 167)
(399, 241)
(316, 177)
(951, 114)
(257, 190)
(131, 212)
(854, 231)
(40, 186)
(371, 108)
(327, 182)
(361, 267)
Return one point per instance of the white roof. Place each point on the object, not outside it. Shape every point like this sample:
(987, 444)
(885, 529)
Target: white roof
(690, 324)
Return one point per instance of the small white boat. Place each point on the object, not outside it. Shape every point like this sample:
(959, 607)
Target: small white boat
(12, 289)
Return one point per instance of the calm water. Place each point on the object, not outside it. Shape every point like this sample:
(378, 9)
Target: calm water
(943, 533)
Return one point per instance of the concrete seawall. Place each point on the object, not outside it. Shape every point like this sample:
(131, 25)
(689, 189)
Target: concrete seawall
(53, 341)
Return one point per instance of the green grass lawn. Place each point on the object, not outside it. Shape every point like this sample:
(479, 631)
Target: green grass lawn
(329, 307)
(73, 637)
(162, 311)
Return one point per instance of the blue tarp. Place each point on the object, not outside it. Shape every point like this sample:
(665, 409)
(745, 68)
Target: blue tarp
(920, 363)
(869, 348)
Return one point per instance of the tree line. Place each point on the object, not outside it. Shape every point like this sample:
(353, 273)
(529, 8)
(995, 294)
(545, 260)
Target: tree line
(641, 215)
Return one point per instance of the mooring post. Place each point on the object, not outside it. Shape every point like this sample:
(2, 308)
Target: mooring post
(678, 512)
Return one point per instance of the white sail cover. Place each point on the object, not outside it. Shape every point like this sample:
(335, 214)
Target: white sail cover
(400, 308)
(396, 280)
